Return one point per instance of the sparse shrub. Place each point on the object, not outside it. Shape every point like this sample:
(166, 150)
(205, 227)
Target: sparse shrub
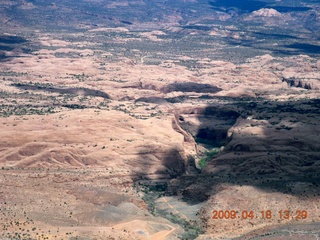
(209, 155)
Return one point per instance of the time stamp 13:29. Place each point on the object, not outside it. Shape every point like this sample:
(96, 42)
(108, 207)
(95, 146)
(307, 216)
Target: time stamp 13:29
(266, 214)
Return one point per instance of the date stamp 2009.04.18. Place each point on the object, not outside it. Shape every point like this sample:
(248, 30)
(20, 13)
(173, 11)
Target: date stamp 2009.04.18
(265, 214)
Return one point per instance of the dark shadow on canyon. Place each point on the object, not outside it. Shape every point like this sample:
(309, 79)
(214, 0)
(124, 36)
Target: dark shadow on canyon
(12, 47)
(169, 164)
(52, 89)
(190, 87)
(7, 39)
(273, 160)
(304, 47)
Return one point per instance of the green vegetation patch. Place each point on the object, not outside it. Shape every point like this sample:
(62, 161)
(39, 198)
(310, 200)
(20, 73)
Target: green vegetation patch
(208, 157)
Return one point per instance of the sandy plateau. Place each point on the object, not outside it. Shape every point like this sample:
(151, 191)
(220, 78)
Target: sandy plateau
(88, 136)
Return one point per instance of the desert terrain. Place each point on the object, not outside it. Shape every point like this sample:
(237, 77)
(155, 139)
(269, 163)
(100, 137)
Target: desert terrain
(148, 119)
